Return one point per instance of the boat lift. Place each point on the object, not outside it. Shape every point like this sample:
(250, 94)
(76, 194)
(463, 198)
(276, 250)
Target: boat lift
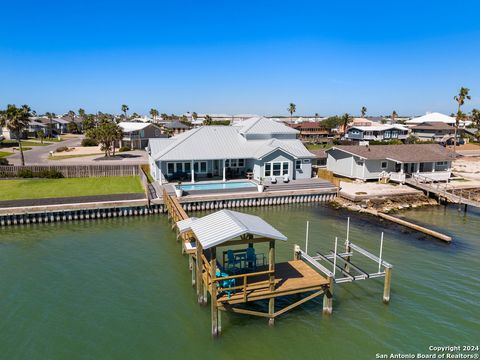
(339, 268)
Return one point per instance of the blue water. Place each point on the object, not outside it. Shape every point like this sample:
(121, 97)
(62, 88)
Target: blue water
(217, 186)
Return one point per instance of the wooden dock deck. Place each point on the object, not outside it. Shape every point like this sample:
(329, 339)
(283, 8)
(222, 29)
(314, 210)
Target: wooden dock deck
(291, 277)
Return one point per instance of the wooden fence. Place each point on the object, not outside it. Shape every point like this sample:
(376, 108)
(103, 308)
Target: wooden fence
(71, 171)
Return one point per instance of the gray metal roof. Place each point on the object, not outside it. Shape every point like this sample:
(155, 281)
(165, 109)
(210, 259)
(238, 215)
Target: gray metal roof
(221, 142)
(262, 126)
(225, 225)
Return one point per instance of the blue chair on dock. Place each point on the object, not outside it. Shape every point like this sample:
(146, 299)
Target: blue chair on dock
(232, 262)
(225, 284)
(251, 260)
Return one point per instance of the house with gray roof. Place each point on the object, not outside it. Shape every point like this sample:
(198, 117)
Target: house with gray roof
(137, 134)
(259, 146)
(377, 133)
(396, 162)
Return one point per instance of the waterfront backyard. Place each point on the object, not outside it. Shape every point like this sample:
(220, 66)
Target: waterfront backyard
(119, 288)
(72, 187)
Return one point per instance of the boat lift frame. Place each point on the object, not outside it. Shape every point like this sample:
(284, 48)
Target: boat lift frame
(349, 271)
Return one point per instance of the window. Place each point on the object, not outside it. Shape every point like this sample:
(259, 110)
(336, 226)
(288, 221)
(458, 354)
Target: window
(142, 133)
(157, 132)
(187, 167)
(203, 166)
(227, 163)
(306, 161)
(276, 168)
(285, 168)
(241, 162)
(268, 169)
(233, 163)
(298, 164)
(384, 165)
(170, 168)
(195, 166)
(441, 163)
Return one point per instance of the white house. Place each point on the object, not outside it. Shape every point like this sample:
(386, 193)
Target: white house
(377, 132)
(430, 118)
(258, 146)
(432, 161)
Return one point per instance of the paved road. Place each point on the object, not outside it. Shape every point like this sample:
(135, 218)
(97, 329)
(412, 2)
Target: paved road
(38, 155)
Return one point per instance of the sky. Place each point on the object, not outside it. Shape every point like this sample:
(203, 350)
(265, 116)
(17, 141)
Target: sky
(240, 56)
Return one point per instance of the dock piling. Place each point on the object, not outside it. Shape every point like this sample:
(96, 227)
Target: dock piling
(386, 285)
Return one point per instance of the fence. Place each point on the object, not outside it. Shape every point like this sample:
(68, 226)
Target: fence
(329, 176)
(71, 171)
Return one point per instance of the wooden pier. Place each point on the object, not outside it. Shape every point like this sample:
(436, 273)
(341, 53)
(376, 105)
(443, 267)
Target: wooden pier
(203, 238)
(444, 192)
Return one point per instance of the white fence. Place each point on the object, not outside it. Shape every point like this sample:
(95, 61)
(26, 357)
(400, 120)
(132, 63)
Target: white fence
(71, 171)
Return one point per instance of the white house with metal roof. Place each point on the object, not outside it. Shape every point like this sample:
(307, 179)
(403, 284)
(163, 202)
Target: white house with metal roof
(432, 117)
(259, 146)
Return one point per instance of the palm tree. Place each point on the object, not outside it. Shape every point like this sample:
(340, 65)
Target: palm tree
(154, 114)
(394, 115)
(460, 99)
(363, 111)
(50, 116)
(194, 116)
(345, 119)
(71, 114)
(208, 120)
(81, 113)
(16, 120)
(291, 109)
(125, 108)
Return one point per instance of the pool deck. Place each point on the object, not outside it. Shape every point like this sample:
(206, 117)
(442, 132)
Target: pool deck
(294, 187)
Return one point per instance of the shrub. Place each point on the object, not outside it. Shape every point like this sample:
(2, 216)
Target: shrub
(3, 161)
(50, 174)
(25, 173)
(61, 149)
(124, 148)
(89, 142)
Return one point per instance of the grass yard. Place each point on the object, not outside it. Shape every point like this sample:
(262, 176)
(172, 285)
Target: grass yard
(63, 157)
(4, 154)
(55, 188)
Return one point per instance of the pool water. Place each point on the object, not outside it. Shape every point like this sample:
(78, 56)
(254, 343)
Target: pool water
(217, 186)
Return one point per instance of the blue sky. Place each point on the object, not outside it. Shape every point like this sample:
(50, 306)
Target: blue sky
(240, 56)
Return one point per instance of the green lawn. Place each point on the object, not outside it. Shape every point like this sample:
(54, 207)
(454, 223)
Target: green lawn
(63, 157)
(4, 154)
(53, 188)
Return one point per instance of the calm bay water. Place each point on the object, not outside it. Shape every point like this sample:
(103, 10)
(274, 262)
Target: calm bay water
(119, 288)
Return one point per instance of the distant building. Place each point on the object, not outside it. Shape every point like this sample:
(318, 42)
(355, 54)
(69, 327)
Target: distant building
(432, 161)
(174, 127)
(430, 118)
(311, 131)
(377, 133)
(137, 134)
(432, 131)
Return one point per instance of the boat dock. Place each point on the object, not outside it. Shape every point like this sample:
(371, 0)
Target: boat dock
(450, 194)
(233, 278)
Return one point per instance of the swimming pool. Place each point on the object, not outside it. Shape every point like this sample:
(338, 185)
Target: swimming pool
(217, 186)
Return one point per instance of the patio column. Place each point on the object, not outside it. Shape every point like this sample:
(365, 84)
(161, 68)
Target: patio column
(433, 167)
(193, 172)
(418, 167)
(224, 172)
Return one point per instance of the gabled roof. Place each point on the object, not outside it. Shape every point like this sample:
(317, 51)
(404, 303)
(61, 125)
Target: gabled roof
(133, 126)
(432, 117)
(263, 126)
(400, 153)
(221, 142)
(175, 125)
(432, 126)
(225, 225)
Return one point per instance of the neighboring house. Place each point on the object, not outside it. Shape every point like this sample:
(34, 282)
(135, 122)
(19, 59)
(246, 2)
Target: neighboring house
(429, 131)
(59, 125)
(258, 145)
(7, 134)
(320, 158)
(311, 131)
(31, 131)
(377, 133)
(431, 117)
(175, 127)
(137, 134)
(395, 161)
(34, 127)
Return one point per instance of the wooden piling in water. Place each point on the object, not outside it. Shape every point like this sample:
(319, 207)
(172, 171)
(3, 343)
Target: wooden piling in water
(386, 285)
(328, 298)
